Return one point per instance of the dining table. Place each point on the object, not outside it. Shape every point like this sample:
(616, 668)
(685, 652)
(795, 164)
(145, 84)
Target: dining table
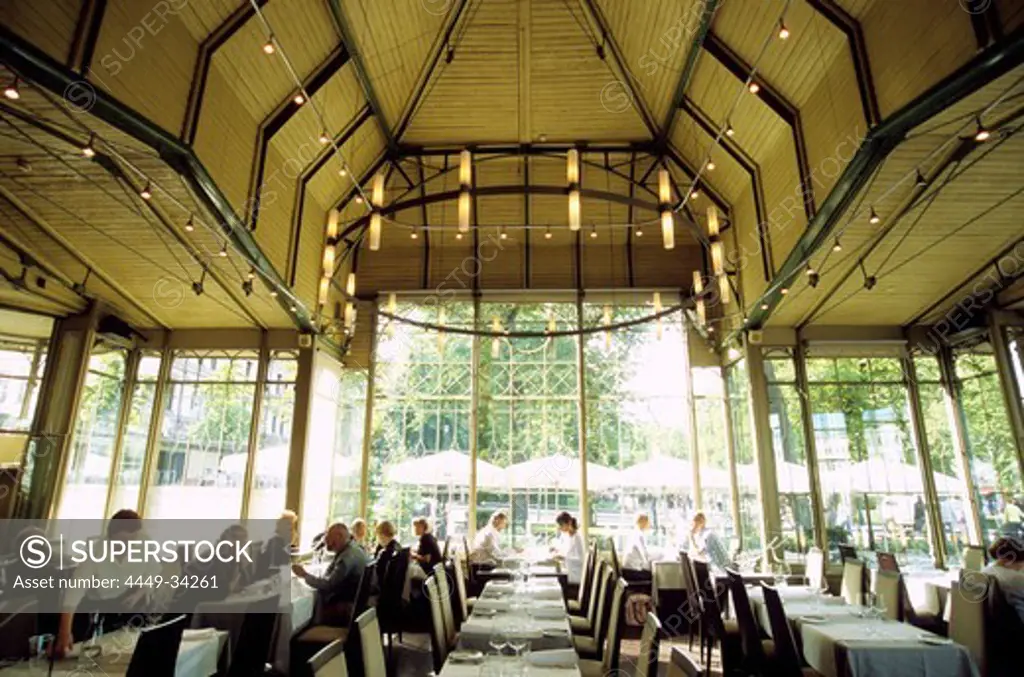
(843, 640)
(200, 655)
(533, 611)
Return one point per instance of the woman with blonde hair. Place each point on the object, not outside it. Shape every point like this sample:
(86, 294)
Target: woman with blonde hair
(636, 565)
(571, 549)
(427, 552)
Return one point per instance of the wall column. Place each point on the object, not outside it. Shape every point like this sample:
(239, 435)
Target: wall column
(49, 445)
(124, 411)
(262, 366)
(811, 449)
(371, 385)
(1008, 381)
(150, 460)
(474, 394)
(771, 522)
(924, 455)
(582, 380)
(730, 449)
(305, 382)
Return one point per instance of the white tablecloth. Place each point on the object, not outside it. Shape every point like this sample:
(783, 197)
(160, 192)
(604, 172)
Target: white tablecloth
(197, 657)
(474, 670)
(862, 648)
(540, 589)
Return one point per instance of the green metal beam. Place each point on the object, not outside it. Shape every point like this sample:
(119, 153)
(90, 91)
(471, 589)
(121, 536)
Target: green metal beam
(37, 67)
(710, 7)
(879, 143)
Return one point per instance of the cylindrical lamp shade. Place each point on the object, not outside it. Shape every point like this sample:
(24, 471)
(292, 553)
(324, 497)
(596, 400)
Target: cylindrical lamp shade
(664, 186)
(574, 210)
(668, 229)
(713, 226)
(374, 234)
(332, 224)
(465, 203)
(465, 168)
(572, 166)
(329, 260)
(724, 291)
(350, 285)
(717, 256)
(325, 285)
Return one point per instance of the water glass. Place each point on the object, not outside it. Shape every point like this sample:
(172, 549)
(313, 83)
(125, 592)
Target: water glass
(498, 640)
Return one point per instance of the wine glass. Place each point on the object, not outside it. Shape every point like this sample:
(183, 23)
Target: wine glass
(517, 639)
(498, 640)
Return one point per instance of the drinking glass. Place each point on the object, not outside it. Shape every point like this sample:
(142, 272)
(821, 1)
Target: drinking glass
(498, 640)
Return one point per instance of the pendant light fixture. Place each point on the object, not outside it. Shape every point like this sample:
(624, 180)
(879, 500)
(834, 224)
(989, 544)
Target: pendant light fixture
(572, 177)
(668, 219)
(377, 198)
(465, 184)
(698, 293)
(350, 284)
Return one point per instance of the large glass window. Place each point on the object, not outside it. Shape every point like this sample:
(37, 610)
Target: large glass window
(950, 484)
(349, 430)
(528, 422)
(91, 457)
(420, 459)
(713, 452)
(204, 441)
(993, 454)
(128, 478)
(748, 483)
(871, 483)
(21, 368)
(636, 391)
(273, 445)
(789, 451)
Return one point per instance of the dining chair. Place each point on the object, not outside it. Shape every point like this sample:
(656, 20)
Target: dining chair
(717, 629)
(847, 551)
(613, 557)
(156, 651)
(578, 606)
(887, 561)
(585, 624)
(609, 663)
(786, 661)
(329, 661)
(650, 646)
(591, 645)
(967, 617)
(1003, 646)
(888, 589)
(693, 602)
(19, 619)
(814, 568)
(252, 649)
(930, 619)
(310, 638)
(681, 665)
(852, 586)
(438, 638)
(372, 648)
(465, 603)
(755, 649)
(973, 558)
(450, 631)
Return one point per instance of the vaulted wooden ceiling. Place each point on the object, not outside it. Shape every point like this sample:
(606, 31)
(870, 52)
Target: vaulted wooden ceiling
(397, 82)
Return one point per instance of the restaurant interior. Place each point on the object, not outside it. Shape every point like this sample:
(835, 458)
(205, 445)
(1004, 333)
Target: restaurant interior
(690, 331)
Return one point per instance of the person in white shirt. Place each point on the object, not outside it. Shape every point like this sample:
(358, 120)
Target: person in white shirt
(1008, 570)
(697, 541)
(570, 549)
(636, 565)
(487, 544)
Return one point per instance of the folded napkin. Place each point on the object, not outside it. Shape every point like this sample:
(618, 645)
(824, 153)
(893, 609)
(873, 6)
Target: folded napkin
(485, 603)
(547, 612)
(198, 633)
(554, 657)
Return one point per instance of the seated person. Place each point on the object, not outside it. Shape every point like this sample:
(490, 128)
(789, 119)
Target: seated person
(340, 582)
(570, 549)
(387, 543)
(111, 604)
(359, 534)
(487, 549)
(277, 551)
(1008, 569)
(636, 565)
(704, 544)
(427, 553)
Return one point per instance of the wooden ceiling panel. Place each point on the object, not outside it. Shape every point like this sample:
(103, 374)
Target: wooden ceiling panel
(48, 25)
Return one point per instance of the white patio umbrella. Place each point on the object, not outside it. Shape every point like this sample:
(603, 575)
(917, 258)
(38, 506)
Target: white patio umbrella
(661, 472)
(559, 472)
(444, 468)
(878, 476)
(792, 478)
(714, 478)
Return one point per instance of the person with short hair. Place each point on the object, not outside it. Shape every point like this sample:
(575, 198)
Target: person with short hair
(1007, 568)
(704, 543)
(487, 548)
(359, 533)
(570, 549)
(636, 564)
(340, 582)
(427, 552)
(277, 551)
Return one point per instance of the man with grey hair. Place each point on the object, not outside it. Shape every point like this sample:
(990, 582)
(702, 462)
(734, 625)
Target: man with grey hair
(340, 581)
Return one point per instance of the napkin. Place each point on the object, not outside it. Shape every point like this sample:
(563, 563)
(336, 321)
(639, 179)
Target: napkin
(547, 612)
(484, 603)
(553, 657)
(198, 633)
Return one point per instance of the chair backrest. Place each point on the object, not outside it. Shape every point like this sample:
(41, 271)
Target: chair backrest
(372, 648)
(586, 590)
(973, 558)
(460, 588)
(889, 590)
(610, 663)
(967, 617)
(156, 652)
(328, 662)
(603, 598)
(681, 665)
(847, 551)
(447, 547)
(690, 581)
(853, 581)
(438, 637)
(390, 604)
(614, 558)
(1002, 646)
(650, 645)
(815, 568)
(19, 620)
(750, 637)
(441, 574)
(595, 591)
(251, 650)
(469, 565)
(887, 561)
(787, 660)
